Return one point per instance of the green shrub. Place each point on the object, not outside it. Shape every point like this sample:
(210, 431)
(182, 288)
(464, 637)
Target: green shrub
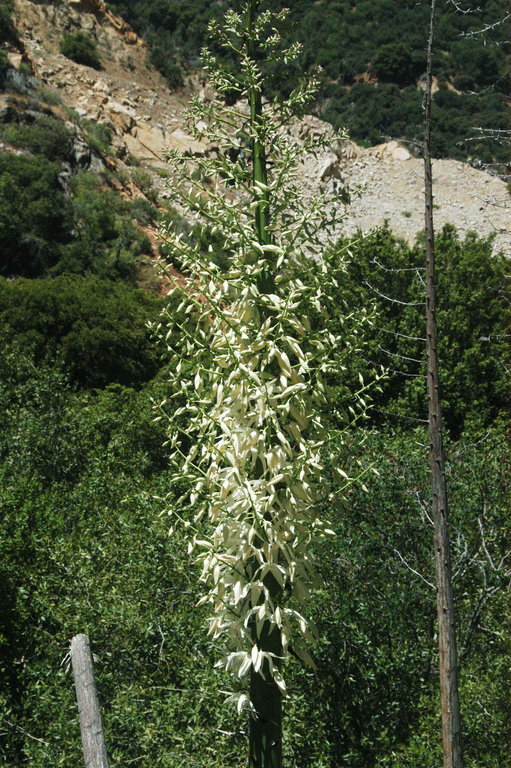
(49, 96)
(473, 319)
(4, 66)
(105, 242)
(7, 30)
(393, 62)
(201, 235)
(25, 69)
(35, 216)
(142, 210)
(80, 48)
(97, 328)
(99, 136)
(143, 181)
(44, 232)
(166, 64)
(45, 136)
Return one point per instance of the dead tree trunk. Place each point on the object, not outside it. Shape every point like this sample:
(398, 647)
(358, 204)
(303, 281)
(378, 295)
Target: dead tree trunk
(448, 663)
(94, 750)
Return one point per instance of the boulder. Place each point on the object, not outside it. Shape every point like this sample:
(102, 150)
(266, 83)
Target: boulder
(80, 154)
(146, 143)
(186, 144)
(122, 118)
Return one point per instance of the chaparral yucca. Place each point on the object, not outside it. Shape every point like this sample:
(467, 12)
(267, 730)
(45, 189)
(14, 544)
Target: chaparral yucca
(255, 365)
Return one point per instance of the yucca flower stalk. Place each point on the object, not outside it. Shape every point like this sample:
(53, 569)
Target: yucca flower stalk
(253, 368)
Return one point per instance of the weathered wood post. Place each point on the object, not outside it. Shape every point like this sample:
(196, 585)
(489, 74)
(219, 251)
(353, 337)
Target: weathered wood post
(94, 749)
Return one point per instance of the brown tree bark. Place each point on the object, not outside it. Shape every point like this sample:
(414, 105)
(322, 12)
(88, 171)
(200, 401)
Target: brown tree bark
(448, 662)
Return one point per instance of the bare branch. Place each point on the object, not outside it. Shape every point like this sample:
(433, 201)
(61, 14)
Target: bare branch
(413, 569)
(395, 301)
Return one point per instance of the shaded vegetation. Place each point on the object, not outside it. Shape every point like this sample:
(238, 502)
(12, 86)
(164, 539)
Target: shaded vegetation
(96, 328)
(80, 48)
(45, 135)
(56, 216)
(44, 231)
(473, 317)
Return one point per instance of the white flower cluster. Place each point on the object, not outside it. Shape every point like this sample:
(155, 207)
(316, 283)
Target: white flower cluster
(249, 369)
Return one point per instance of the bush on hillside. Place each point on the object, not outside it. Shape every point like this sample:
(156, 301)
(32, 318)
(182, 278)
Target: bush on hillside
(393, 62)
(35, 215)
(45, 136)
(80, 48)
(144, 212)
(96, 328)
(105, 241)
(4, 66)
(46, 232)
(7, 31)
(164, 61)
(99, 136)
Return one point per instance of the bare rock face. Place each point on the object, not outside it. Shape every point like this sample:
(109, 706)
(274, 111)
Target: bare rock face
(147, 143)
(391, 188)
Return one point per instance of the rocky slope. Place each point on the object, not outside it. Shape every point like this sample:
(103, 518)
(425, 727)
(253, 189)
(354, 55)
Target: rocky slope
(132, 99)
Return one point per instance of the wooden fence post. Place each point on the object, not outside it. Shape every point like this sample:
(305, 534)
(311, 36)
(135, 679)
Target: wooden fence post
(94, 750)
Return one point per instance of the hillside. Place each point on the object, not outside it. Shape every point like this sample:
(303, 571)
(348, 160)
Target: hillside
(372, 55)
(131, 101)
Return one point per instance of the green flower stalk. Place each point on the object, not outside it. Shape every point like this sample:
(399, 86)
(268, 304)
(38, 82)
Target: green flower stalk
(255, 366)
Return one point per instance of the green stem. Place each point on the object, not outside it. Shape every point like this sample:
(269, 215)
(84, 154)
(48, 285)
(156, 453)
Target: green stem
(265, 739)
(259, 169)
(265, 733)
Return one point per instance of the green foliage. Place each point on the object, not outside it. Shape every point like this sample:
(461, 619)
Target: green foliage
(96, 328)
(99, 136)
(377, 113)
(49, 96)
(376, 673)
(35, 215)
(393, 62)
(45, 136)
(473, 319)
(104, 242)
(173, 25)
(7, 32)
(201, 236)
(82, 548)
(145, 213)
(43, 231)
(80, 48)
(4, 66)
(143, 181)
(166, 64)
